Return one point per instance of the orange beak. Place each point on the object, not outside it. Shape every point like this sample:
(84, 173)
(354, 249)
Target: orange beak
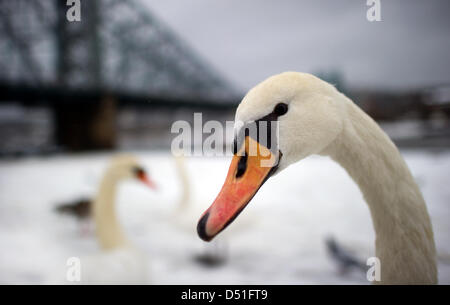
(247, 173)
(145, 179)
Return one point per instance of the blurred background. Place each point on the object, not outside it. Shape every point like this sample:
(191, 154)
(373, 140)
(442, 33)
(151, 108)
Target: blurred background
(72, 94)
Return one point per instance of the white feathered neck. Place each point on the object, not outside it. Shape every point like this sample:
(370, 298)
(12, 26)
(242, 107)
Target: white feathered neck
(404, 235)
(109, 231)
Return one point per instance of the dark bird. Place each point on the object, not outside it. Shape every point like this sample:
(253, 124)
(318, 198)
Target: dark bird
(343, 258)
(80, 209)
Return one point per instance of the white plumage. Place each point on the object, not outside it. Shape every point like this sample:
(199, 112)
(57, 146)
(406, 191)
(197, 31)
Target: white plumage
(321, 120)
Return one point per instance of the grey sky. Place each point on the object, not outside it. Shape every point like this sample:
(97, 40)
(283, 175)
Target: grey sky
(250, 40)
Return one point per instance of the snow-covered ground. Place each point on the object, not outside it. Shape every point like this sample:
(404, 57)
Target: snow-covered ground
(278, 239)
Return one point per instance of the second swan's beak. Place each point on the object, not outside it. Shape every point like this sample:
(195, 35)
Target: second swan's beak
(143, 177)
(249, 169)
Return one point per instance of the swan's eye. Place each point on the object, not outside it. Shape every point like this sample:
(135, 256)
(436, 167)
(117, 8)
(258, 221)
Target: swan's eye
(138, 171)
(280, 109)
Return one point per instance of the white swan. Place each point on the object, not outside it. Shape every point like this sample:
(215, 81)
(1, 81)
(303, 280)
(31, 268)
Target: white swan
(314, 118)
(119, 262)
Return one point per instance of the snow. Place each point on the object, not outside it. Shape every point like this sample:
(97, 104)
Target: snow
(278, 239)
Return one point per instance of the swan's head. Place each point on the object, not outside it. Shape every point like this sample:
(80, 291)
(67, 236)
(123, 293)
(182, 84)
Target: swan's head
(295, 115)
(123, 167)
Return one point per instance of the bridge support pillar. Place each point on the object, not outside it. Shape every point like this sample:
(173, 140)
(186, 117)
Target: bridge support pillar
(86, 126)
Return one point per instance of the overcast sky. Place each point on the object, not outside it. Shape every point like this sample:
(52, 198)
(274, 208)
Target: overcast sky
(249, 40)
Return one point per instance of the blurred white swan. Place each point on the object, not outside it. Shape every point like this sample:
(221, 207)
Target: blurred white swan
(120, 262)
